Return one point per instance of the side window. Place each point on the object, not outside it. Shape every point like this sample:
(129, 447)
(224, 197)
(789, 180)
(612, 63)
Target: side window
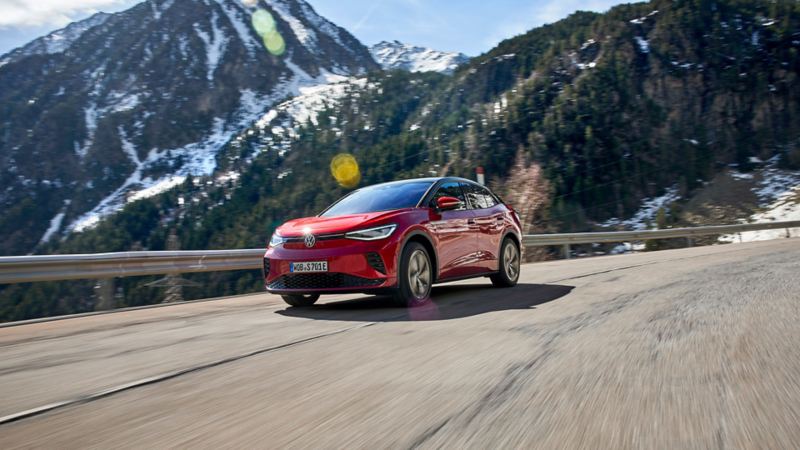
(479, 197)
(488, 198)
(451, 189)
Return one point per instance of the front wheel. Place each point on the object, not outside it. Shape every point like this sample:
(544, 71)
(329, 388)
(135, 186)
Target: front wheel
(415, 277)
(300, 299)
(508, 274)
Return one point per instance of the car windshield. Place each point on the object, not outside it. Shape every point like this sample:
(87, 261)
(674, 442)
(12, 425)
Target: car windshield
(381, 197)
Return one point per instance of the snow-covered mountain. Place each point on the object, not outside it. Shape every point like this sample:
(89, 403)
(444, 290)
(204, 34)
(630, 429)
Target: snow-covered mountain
(57, 41)
(124, 105)
(397, 55)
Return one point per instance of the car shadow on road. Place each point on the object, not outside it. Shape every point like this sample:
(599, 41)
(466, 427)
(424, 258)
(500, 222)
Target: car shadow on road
(449, 302)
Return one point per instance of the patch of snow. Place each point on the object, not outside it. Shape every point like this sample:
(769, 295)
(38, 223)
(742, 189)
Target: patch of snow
(414, 127)
(686, 65)
(588, 44)
(160, 186)
(90, 115)
(125, 103)
(305, 35)
(641, 20)
(55, 225)
(644, 45)
(646, 213)
(239, 20)
(741, 176)
(215, 44)
(775, 182)
(228, 176)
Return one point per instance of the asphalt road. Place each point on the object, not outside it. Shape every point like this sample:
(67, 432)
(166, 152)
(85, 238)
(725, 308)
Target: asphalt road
(693, 348)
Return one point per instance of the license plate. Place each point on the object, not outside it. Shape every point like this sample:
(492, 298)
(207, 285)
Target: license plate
(309, 266)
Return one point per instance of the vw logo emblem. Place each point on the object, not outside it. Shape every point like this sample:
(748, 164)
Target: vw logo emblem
(309, 240)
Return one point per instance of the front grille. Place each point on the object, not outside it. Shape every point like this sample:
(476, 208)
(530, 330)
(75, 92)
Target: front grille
(322, 281)
(266, 267)
(375, 261)
(320, 237)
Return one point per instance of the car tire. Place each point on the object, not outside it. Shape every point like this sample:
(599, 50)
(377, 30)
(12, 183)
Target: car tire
(300, 299)
(415, 277)
(508, 273)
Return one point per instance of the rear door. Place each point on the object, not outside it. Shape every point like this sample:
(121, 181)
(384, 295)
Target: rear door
(456, 234)
(489, 223)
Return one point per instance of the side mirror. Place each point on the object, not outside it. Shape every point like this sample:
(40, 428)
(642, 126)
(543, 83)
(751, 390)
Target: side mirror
(448, 203)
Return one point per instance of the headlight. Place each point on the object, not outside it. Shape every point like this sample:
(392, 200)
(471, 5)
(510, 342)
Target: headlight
(372, 234)
(276, 240)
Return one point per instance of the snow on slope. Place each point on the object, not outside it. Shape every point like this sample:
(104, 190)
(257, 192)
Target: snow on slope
(309, 95)
(646, 213)
(779, 193)
(396, 55)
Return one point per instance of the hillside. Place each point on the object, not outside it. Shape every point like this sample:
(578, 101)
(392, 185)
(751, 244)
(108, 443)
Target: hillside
(592, 122)
(117, 104)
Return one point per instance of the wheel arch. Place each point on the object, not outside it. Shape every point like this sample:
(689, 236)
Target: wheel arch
(426, 241)
(510, 234)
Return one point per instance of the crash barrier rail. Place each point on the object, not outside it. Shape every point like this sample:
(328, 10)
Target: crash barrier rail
(25, 269)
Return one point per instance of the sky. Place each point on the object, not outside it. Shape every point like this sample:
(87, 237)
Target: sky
(468, 26)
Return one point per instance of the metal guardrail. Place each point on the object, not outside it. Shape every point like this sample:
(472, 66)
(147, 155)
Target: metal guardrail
(24, 269)
(644, 235)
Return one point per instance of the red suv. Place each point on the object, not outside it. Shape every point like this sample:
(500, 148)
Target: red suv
(396, 238)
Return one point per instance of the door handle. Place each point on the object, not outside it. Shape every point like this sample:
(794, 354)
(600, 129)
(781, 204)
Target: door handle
(470, 221)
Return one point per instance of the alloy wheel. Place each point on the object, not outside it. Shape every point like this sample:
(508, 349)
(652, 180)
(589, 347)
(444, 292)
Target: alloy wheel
(419, 274)
(511, 258)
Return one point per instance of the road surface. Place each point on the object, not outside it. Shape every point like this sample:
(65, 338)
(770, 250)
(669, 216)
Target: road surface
(692, 348)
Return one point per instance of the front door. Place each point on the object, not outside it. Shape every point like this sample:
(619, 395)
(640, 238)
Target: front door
(490, 224)
(455, 231)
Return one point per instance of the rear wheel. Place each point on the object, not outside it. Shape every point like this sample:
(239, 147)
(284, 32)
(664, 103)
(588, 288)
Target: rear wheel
(415, 277)
(300, 299)
(508, 274)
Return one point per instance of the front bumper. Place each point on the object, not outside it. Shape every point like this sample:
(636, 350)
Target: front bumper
(353, 266)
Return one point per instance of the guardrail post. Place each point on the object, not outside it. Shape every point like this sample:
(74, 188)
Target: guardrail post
(689, 242)
(104, 294)
(565, 251)
(788, 234)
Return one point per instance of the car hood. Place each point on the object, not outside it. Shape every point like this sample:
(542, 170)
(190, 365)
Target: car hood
(338, 224)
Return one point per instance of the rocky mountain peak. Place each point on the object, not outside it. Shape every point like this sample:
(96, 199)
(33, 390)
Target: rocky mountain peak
(397, 55)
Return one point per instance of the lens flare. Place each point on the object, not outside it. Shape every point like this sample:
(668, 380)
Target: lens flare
(344, 169)
(275, 43)
(263, 22)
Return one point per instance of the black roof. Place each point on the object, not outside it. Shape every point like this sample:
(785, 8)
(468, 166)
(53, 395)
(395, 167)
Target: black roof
(425, 179)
